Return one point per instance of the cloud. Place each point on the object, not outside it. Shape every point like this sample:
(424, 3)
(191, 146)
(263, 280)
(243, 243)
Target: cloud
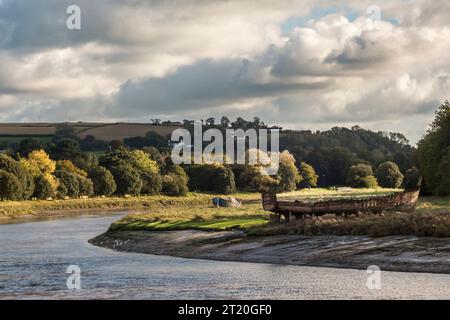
(176, 59)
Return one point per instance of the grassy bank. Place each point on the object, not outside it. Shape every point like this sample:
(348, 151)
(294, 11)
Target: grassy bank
(432, 218)
(200, 200)
(20, 208)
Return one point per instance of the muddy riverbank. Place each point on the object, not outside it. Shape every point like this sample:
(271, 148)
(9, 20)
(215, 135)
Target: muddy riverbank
(397, 253)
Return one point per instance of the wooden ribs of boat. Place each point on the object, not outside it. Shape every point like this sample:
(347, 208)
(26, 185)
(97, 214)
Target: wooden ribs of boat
(402, 201)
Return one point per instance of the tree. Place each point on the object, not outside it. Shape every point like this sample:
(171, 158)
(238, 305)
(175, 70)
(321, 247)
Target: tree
(287, 173)
(210, 122)
(361, 176)
(43, 188)
(61, 191)
(70, 182)
(215, 178)
(28, 145)
(433, 148)
(225, 122)
(85, 185)
(248, 177)
(128, 180)
(103, 180)
(26, 183)
(156, 140)
(65, 149)
(444, 175)
(174, 185)
(116, 144)
(38, 163)
(412, 177)
(388, 175)
(308, 177)
(85, 161)
(149, 171)
(67, 165)
(10, 186)
(64, 132)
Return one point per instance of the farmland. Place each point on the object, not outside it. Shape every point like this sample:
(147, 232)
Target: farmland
(14, 132)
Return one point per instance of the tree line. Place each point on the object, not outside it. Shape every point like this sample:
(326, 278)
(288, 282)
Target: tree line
(66, 166)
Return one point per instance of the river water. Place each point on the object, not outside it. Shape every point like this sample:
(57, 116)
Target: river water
(34, 258)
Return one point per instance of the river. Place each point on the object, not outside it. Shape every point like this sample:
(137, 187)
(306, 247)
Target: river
(34, 257)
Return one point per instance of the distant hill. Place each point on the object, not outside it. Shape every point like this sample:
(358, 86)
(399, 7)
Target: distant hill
(101, 131)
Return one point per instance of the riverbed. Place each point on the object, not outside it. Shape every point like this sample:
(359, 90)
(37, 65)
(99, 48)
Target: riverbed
(34, 258)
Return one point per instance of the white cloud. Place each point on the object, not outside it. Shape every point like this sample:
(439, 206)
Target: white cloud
(135, 59)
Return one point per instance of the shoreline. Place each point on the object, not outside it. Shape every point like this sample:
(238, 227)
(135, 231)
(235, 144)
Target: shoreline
(61, 214)
(394, 253)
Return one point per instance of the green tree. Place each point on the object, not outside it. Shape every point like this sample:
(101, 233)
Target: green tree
(175, 181)
(10, 186)
(388, 175)
(287, 173)
(444, 175)
(432, 148)
(26, 183)
(28, 145)
(85, 185)
(411, 179)
(308, 176)
(103, 180)
(174, 185)
(215, 178)
(361, 176)
(65, 150)
(70, 182)
(128, 180)
(61, 191)
(149, 171)
(68, 165)
(43, 188)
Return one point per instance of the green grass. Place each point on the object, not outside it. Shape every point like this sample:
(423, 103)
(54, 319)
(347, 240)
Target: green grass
(432, 218)
(210, 225)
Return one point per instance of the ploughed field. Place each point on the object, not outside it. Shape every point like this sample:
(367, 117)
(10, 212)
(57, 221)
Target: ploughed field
(15, 132)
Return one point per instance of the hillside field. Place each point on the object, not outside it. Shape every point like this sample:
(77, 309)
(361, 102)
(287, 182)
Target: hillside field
(14, 132)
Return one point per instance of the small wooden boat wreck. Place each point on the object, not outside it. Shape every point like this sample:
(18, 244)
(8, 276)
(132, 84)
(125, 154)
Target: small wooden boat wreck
(288, 210)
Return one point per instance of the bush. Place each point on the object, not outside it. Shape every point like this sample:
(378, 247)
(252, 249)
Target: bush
(70, 181)
(175, 182)
(308, 177)
(248, 177)
(128, 180)
(214, 178)
(151, 182)
(388, 175)
(368, 182)
(10, 186)
(361, 176)
(43, 188)
(103, 181)
(174, 185)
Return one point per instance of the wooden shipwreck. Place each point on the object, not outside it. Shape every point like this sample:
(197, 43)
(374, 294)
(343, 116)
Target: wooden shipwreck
(293, 209)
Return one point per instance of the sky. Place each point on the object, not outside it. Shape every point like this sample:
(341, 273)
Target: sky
(311, 65)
